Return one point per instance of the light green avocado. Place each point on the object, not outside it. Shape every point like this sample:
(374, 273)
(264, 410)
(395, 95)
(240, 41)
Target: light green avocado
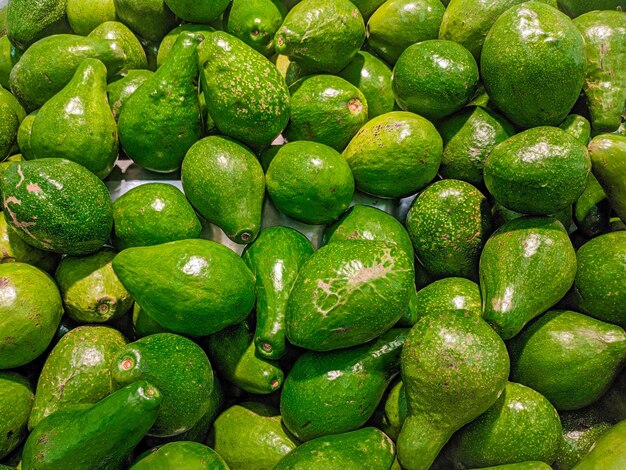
(577, 126)
(9, 56)
(609, 451)
(183, 455)
(608, 159)
(255, 22)
(120, 90)
(9, 125)
(84, 17)
(149, 19)
(116, 31)
(165, 47)
(16, 401)
(452, 293)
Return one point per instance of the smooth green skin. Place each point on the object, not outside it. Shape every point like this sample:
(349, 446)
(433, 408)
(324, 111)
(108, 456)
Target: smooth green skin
(224, 181)
(255, 22)
(250, 436)
(533, 64)
(367, 7)
(9, 125)
(592, 209)
(14, 249)
(30, 21)
(97, 437)
(609, 451)
(233, 352)
(84, 17)
(348, 293)
(246, 95)
(149, 19)
(608, 159)
(23, 135)
(539, 171)
(449, 223)
(364, 448)
(522, 425)
(8, 58)
(578, 126)
(526, 267)
(394, 155)
(144, 324)
(434, 78)
(152, 214)
(397, 24)
(502, 215)
(194, 287)
(77, 371)
(321, 35)
(16, 400)
(469, 136)
(275, 259)
(445, 295)
(80, 110)
(181, 371)
(322, 388)
(168, 41)
(180, 455)
(197, 11)
(116, 31)
(395, 410)
(310, 182)
(570, 358)
(576, 8)
(90, 290)
(600, 279)
(57, 205)
(161, 120)
(49, 65)
(373, 77)
(326, 109)
(120, 90)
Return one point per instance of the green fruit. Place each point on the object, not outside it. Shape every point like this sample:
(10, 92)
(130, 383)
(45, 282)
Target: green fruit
(310, 182)
(16, 400)
(533, 64)
(99, 436)
(197, 11)
(575, 8)
(9, 56)
(116, 31)
(9, 125)
(195, 287)
(77, 371)
(449, 223)
(502, 215)
(149, 19)
(367, 7)
(23, 136)
(144, 324)
(85, 17)
(395, 410)
(28, 21)
(321, 35)
(592, 210)
(255, 22)
(454, 367)
(613, 402)
(224, 181)
(348, 293)
(14, 249)
(521, 466)
(578, 126)
(608, 158)
(445, 295)
(609, 451)
(325, 109)
(397, 24)
(180, 455)
(539, 171)
(120, 90)
(394, 155)
(166, 45)
(181, 371)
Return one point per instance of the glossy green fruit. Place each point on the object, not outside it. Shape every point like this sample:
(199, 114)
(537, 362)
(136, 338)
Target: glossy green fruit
(14, 249)
(445, 295)
(255, 22)
(16, 401)
(150, 19)
(367, 7)
(502, 215)
(166, 45)
(27, 22)
(9, 125)
(394, 410)
(608, 158)
(592, 209)
(577, 126)
(576, 8)
(9, 56)
(120, 90)
(7, 97)
(23, 136)
(117, 32)
(608, 453)
(180, 455)
(197, 11)
(85, 17)
(144, 324)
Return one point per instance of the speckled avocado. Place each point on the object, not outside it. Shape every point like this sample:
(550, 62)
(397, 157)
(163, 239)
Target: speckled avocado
(117, 32)
(608, 159)
(23, 136)
(9, 56)
(609, 451)
(28, 22)
(150, 19)
(180, 455)
(255, 22)
(84, 18)
(9, 125)
(394, 410)
(16, 400)
(577, 126)
(444, 295)
(57, 205)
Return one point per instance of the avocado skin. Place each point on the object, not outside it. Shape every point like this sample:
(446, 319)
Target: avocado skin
(521, 466)
(77, 371)
(368, 7)
(16, 401)
(194, 287)
(180, 455)
(116, 31)
(14, 249)
(197, 11)
(255, 22)
(57, 205)
(502, 215)
(444, 295)
(613, 402)
(165, 46)
(150, 19)
(592, 209)
(83, 19)
(9, 125)
(578, 126)
(28, 21)
(609, 451)
(608, 159)
(576, 8)
(364, 448)
(95, 437)
(533, 64)
(394, 410)
(8, 58)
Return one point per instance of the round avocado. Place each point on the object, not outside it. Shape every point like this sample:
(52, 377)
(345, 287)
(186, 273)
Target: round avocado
(183, 455)
(16, 401)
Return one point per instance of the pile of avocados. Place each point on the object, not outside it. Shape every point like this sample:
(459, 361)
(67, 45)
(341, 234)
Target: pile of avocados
(421, 206)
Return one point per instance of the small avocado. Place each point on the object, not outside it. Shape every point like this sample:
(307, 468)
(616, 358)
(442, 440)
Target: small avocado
(85, 17)
(23, 137)
(16, 401)
(166, 45)
(592, 210)
(14, 249)
(197, 11)
(394, 409)
(149, 19)
(577, 126)
(608, 159)
(576, 8)
(444, 295)
(502, 215)
(180, 455)
(120, 90)
(116, 31)
(609, 451)
(9, 56)
(28, 22)
(255, 22)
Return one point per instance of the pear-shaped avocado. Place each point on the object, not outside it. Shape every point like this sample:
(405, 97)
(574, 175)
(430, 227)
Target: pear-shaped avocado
(194, 287)
(452, 293)
(14, 249)
(116, 31)
(16, 401)
(224, 181)
(161, 120)
(609, 451)
(80, 110)
(120, 90)
(150, 19)
(275, 259)
(255, 22)
(180, 455)
(321, 389)
(608, 159)
(533, 64)
(526, 267)
(28, 22)
(197, 11)
(85, 17)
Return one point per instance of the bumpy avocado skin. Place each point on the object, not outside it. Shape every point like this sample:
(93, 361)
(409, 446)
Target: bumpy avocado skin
(150, 19)
(16, 401)
(84, 18)
(452, 293)
(255, 22)
(608, 159)
(28, 21)
(9, 125)
(166, 45)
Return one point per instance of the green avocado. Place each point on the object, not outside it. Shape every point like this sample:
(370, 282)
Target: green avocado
(144, 324)
(613, 402)
(608, 159)
(250, 436)
(454, 367)
(592, 209)
(367, 7)
(9, 125)
(14, 249)
(120, 90)
(533, 64)
(165, 47)
(197, 11)
(9, 56)
(325, 109)
(28, 21)
(152, 214)
(100, 436)
(149, 19)
(449, 223)
(609, 451)
(116, 31)
(577, 126)
(355, 450)
(521, 466)
(255, 22)
(445, 295)
(397, 24)
(394, 155)
(183, 455)
(394, 410)
(23, 138)
(502, 215)
(310, 182)
(348, 293)
(85, 17)
(224, 181)
(321, 35)
(194, 287)
(576, 8)
(539, 171)
(16, 401)
(77, 371)
(322, 388)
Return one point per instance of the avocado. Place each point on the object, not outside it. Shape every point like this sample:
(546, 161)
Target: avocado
(310, 182)
(609, 451)
(180, 455)
(255, 22)
(348, 293)
(325, 109)
(14, 249)
(224, 181)
(394, 155)
(8, 98)
(149, 19)
(502, 215)
(195, 287)
(366, 7)
(99, 436)
(397, 24)
(197, 11)
(77, 371)
(9, 125)
(592, 210)
(444, 295)
(16, 401)
(449, 223)
(608, 159)
(521, 466)
(28, 21)
(165, 47)
(394, 409)
(85, 17)
(9, 56)
(454, 367)
(577, 126)
(23, 138)
(120, 90)
(116, 31)
(576, 8)
(533, 64)
(613, 402)
(152, 214)
(144, 324)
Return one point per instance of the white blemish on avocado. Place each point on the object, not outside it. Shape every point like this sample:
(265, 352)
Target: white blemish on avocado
(23, 226)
